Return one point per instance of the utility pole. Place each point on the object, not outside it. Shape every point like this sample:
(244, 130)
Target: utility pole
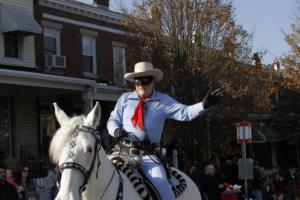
(244, 136)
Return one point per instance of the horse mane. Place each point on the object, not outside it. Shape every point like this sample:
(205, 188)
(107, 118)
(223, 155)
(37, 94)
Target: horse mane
(62, 136)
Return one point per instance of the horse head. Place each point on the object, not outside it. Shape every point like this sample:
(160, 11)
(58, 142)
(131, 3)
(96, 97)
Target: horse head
(75, 148)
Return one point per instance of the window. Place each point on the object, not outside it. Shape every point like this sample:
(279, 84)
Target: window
(51, 42)
(119, 65)
(12, 43)
(6, 129)
(89, 54)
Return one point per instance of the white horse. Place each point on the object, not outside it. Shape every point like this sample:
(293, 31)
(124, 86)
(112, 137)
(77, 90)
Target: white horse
(83, 163)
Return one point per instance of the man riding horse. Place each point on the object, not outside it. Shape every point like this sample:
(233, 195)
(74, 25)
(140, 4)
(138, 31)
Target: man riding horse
(141, 114)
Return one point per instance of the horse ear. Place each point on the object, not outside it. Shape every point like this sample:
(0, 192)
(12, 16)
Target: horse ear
(93, 118)
(60, 114)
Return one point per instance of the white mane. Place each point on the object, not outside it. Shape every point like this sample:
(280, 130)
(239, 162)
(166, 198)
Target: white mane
(62, 135)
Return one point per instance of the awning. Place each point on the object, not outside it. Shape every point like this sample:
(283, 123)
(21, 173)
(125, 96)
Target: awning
(263, 134)
(14, 18)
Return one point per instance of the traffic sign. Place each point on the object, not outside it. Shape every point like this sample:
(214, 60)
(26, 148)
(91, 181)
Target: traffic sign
(245, 169)
(244, 132)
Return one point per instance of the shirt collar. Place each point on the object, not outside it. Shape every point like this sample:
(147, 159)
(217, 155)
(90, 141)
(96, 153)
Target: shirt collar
(153, 97)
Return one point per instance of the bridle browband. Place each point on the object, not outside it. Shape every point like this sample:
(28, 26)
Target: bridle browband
(73, 165)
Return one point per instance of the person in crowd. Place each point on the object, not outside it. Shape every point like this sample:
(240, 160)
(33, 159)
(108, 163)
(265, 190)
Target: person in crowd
(297, 184)
(50, 184)
(142, 114)
(257, 182)
(268, 188)
(229, 172)
(26, 186)
(9, 177)
(7, 190)
(279, 196)
(287, 183)
(278, 183)
(210, 186)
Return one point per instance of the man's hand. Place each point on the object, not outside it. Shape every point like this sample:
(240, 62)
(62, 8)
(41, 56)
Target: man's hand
(212, 97)
(120, 133)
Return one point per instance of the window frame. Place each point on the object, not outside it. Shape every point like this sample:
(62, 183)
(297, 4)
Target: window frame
(20, 47)
(123, 50)
(48, 33)
(94, 67)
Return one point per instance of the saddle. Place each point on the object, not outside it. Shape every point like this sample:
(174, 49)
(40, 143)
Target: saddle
(126, 157)
(130, 151)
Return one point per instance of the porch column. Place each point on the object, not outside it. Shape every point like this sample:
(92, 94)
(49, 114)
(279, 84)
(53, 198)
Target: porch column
(274, 154)
(87, 97)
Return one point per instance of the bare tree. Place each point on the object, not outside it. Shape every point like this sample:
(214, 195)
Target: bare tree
(291, 61)
(198, 45)
(200, 41)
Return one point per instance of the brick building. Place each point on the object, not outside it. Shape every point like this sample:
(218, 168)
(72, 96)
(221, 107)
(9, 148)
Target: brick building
(61, 50)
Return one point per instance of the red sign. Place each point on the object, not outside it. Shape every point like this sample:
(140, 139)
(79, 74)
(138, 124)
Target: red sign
(243, 132)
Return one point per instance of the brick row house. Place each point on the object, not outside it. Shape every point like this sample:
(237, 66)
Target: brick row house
(61, 51)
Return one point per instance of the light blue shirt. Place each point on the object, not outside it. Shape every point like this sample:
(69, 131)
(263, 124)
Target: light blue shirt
(156, 110)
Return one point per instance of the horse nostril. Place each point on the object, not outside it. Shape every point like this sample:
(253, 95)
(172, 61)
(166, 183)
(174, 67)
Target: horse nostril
(89, 149)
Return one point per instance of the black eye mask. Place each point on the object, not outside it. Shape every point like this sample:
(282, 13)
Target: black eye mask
(143, 81)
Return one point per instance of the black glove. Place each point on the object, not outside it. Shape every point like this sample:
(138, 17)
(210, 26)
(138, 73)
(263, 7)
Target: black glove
(212, 97)
(120, 133)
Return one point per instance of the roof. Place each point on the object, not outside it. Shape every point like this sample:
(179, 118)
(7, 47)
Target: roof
(263, 134)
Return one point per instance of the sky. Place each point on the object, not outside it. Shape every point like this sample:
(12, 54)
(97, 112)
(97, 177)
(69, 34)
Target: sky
(265, 19)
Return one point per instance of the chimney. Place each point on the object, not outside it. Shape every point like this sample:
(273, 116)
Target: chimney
(276, 64)
(101, 3)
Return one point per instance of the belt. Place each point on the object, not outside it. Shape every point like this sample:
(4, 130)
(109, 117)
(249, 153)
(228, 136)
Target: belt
(146, 145)
(127, 143)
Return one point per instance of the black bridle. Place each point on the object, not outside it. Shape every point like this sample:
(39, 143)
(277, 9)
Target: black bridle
(73, 165)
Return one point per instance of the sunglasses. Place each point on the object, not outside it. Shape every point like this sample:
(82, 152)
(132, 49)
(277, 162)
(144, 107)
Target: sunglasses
(143, 81)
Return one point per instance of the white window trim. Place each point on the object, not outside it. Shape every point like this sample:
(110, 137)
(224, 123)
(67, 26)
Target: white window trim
(115, 48)
(57, 37)
(19, 60)
(13, 61)
(89, 74)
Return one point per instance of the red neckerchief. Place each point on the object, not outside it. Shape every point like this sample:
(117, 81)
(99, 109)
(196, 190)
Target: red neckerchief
(137, 118)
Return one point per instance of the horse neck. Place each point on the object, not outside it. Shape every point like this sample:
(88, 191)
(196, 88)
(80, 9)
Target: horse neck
(98, 186)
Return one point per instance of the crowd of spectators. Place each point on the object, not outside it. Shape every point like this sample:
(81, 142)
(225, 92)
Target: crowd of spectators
(265, 185)
(21, 186)
(216, 179)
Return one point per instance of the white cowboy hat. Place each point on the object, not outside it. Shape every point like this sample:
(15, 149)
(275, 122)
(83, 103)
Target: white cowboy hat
(143, 69)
